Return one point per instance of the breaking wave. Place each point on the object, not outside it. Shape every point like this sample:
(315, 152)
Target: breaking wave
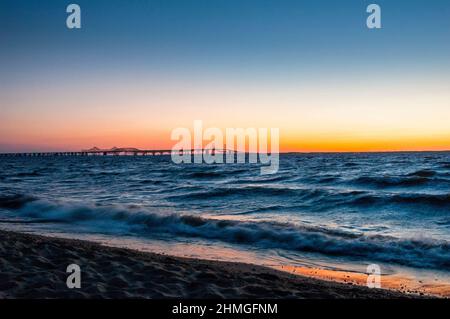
(416, 252)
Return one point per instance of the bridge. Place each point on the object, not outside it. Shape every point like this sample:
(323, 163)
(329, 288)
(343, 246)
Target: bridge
(124, 151)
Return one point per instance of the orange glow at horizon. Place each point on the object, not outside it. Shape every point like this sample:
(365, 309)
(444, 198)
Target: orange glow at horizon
(368, 145)
(292, 143)
(354, 116)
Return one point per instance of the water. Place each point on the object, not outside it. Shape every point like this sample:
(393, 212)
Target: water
(339, 210)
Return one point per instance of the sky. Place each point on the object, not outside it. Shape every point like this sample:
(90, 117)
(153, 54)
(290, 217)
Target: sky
(136, 70)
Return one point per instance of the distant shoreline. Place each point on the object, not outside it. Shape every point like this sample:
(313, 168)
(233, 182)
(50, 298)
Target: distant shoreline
(34, 266)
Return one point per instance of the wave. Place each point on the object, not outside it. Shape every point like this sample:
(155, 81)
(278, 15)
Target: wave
(351, 164)
(318, 198)
(423, 253)
(423, 173)
(436, 201)
(206, 175)
(213, 174)
(327, 180)
(272, 209)
(27, 174)
(152, 182)
(236, 191)
(15, 201)
(262, 180)
(415, 179)
(439, 201)
(444, 222)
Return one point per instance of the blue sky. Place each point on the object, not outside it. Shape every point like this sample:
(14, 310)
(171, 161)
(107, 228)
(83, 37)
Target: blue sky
(226, 36)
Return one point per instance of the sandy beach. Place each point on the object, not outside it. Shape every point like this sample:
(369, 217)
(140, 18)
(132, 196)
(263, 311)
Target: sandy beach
(33, 266)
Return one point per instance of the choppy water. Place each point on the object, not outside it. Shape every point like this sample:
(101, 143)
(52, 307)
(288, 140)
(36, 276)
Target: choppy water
(387, 208)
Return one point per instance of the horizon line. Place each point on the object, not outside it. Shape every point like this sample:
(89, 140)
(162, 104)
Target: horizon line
(133, 149)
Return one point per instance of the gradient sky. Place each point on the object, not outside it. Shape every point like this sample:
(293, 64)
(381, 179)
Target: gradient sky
(138, 69)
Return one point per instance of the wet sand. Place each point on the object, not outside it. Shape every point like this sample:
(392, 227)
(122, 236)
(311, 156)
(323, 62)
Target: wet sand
(396, 282)
(33, 266)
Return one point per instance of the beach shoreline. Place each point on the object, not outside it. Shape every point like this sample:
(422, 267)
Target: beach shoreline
(34, 266)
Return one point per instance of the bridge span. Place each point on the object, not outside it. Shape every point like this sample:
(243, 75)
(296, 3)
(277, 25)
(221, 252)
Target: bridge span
(122, 152)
